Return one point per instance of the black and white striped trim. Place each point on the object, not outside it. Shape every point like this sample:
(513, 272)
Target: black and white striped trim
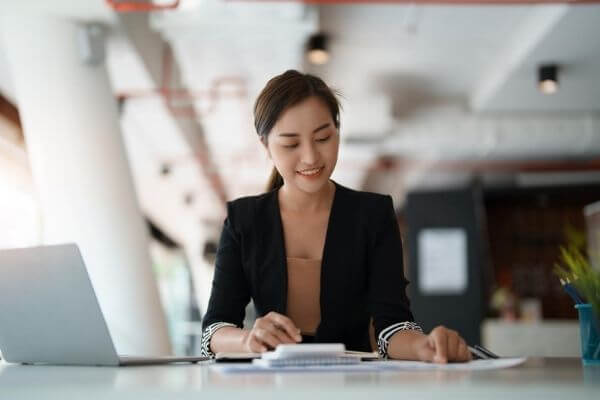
(207, 336)
(387, 333)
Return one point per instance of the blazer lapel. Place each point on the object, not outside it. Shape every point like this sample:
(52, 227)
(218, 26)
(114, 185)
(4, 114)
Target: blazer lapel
(330, 268)
(269, 276)
(280, 255)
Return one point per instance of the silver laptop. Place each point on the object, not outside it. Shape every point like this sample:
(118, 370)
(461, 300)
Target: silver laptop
(49, 313)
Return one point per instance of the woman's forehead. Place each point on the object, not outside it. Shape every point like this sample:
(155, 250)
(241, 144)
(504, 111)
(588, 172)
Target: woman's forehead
(304, 116)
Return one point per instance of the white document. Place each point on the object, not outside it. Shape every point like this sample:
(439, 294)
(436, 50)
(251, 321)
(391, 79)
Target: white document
(475, 365)
(376, 366)
(254, 368)
(442, 261)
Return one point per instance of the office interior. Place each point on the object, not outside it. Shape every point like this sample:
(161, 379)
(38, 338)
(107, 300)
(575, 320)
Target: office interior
(126, 126)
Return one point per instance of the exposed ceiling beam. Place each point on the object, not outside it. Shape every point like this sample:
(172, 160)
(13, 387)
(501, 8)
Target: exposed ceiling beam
(151, 48)
(525, 39)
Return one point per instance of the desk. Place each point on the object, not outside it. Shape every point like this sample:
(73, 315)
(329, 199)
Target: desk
(538, 378)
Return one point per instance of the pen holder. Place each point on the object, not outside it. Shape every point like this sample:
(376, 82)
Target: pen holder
(590, 335)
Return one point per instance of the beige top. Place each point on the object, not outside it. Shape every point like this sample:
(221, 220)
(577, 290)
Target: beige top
(303, 295)
(304, 235)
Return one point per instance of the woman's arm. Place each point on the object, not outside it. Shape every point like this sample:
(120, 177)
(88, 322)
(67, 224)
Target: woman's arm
(388, 303)
(222, 325)
(398, 336)
(230, 289)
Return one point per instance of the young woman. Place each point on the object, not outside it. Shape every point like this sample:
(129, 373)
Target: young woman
(319, 260)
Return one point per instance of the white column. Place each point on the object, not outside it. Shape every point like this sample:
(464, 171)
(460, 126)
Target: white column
(80, 170)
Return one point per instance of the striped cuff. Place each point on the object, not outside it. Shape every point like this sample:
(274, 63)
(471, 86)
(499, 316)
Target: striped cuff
(207, 336)
(387, 333)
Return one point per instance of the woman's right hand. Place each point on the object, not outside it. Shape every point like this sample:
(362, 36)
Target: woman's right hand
(269, 331)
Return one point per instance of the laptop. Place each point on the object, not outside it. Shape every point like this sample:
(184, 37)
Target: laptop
(49, 313)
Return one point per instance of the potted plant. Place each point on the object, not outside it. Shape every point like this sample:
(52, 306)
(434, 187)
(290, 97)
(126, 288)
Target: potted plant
(582, 281)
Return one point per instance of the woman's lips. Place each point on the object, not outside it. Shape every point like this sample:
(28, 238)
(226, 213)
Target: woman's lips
(311, 173)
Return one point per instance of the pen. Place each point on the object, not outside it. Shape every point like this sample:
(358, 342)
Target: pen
(486, 351)
(571, 291)
(480, 352)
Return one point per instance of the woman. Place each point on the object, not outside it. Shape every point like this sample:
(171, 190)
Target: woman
(320, 261)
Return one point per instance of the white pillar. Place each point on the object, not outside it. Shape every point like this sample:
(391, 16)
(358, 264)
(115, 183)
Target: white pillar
(80, 170)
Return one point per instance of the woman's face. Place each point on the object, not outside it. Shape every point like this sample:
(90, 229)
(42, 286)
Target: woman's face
(303, 145)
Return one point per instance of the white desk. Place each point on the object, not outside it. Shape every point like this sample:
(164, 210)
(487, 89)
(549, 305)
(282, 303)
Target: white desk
(538, 378)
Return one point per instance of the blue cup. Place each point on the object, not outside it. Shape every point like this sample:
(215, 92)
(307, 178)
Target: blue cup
(590, 334)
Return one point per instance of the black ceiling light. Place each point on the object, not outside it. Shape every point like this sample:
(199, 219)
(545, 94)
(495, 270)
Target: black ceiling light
(189, 198)
(316, 49)
(165, 169)
(548, 78)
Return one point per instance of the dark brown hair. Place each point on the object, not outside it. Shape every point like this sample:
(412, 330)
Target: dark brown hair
(282, 92)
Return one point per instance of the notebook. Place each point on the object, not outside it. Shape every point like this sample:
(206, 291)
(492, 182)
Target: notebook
(296, 355)
(240, 357)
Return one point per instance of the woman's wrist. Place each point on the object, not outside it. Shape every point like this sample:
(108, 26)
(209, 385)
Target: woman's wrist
(404, 345)
(245, 333)
(230, 339)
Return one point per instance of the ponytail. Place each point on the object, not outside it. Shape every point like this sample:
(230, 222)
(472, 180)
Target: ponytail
(275, 180)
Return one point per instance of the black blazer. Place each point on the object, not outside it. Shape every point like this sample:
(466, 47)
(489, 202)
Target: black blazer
(361, 272)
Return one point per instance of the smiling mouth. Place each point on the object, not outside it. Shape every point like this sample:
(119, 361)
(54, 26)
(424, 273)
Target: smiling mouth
(311, 172)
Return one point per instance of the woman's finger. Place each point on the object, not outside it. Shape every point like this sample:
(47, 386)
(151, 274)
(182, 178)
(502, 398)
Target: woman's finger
(281, 335)
(463, 351)
(267, 338)
(439, 341)
(286, 325)
(256, 346)
(453, 342)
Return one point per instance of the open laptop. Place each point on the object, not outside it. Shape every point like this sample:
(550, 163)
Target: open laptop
(49, 313)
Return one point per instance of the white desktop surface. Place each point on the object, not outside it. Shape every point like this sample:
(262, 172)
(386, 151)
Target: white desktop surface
(547, 378)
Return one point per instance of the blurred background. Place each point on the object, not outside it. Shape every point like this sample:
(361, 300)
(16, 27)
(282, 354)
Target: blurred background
(125, 126)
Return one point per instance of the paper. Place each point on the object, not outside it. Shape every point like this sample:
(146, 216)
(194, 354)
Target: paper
(376, 366)
(475, 365)
(442, 261)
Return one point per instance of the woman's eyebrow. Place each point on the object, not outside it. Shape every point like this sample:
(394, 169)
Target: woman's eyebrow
(315, 131)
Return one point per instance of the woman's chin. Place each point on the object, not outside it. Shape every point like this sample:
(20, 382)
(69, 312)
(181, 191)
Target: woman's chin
(312, 184)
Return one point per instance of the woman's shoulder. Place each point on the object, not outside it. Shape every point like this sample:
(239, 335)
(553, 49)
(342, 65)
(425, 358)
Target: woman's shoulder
(246, 201)
(363, 198)
(246, 207)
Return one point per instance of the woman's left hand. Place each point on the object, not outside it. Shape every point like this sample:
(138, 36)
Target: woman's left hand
(442, 345)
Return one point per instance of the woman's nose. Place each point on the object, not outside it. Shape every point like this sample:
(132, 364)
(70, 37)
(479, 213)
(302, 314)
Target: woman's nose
(309, 155)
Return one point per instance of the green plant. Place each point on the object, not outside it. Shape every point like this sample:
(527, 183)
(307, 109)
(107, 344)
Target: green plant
(575, 267)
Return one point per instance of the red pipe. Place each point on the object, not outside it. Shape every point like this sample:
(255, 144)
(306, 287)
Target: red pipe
(138, 6)
(212, 94)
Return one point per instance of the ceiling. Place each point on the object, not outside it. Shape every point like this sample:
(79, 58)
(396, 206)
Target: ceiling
(424, 82)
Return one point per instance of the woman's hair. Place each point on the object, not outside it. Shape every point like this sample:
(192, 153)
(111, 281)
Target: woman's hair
(282, 92)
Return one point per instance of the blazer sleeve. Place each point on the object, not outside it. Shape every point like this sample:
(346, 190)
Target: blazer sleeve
(389, 305)
(230, 292)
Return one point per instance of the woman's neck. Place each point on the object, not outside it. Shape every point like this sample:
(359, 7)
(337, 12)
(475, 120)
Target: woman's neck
(295, 200)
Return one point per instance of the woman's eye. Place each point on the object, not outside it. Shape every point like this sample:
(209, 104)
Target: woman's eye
(290, 146)
(324, 139)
